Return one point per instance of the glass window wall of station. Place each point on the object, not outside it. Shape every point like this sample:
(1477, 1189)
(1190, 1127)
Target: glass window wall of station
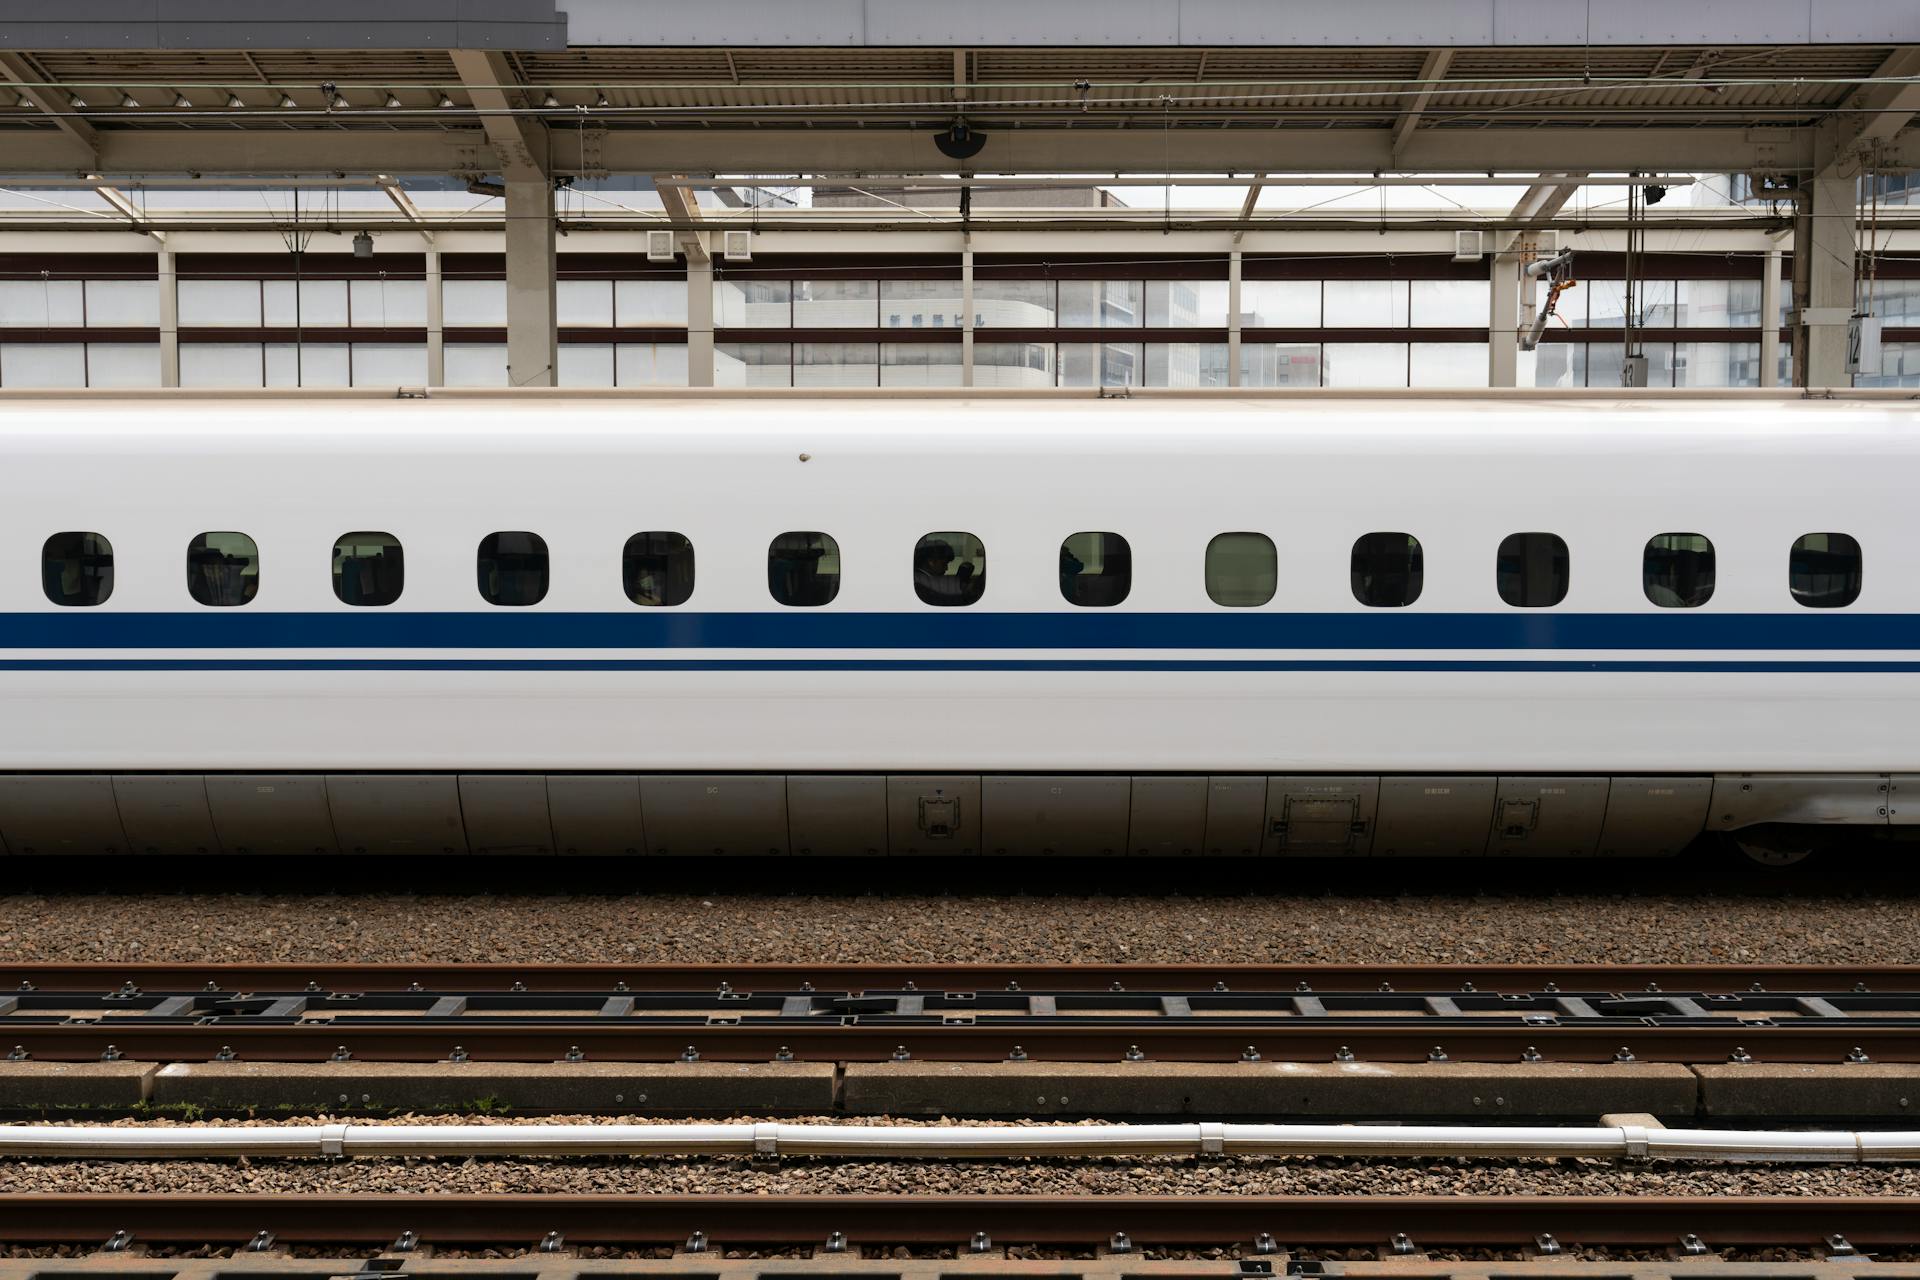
(369, 329)
(922, 304)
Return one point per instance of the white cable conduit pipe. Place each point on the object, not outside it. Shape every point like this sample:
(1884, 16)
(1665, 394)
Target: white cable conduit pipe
(954, 1142)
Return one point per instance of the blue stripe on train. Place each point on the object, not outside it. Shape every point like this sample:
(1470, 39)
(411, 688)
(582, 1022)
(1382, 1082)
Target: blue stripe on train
(955, 630)
(931, 664)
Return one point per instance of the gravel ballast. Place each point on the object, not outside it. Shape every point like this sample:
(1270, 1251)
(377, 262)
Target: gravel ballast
(1566, 929)
(1244, 1175)
(727, 1175)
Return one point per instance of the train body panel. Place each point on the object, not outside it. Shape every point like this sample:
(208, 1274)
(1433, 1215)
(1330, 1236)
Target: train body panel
(1122, 721)
(1458, 682)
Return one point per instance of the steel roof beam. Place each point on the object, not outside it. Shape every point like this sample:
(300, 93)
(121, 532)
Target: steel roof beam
(401, 201)
(134, 153)
(81, 137)
(1433, 70)
(519, 142)
(1880, 110)
(1543, 200)
(1247, 205)
(127, 208)
(684, 207)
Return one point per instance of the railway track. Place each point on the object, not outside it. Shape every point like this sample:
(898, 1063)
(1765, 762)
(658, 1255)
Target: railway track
(1259, 1224)
(424, 1013)
(103, 976)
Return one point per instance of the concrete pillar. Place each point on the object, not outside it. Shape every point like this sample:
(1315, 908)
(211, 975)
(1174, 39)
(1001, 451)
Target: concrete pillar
(1823, 250)
(1503, 320)
(699, 323)
(169, 319)
(1233, 318)
(1770, 319)
(436, 322)
(966, 317)
(532, 336)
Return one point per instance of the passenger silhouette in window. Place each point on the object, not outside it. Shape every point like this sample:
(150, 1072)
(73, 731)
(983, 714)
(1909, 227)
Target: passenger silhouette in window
(223, 569)
(937, 578)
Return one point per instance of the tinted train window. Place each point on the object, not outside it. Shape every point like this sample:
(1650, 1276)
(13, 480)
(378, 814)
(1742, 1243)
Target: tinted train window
(513, 568)
(1823, 571)
(223, 569)
(1242, 569)
(368, 569)
(1387, 570)
(803, 569)
(77, 569)
(949, 569)
(1676, 571)
(1096, 569)
(657, 568)
(1532, 570)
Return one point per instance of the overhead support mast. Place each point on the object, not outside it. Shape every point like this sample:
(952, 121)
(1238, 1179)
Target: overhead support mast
(1860, 141)
(683, 207)
(522, 146)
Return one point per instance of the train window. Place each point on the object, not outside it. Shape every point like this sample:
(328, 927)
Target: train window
(1096, 570)
(657, 568)
(1387, 570)
(803, 569)
(1676, 570)
(1532, 570)
(949, 569)
(1823, 570)
(513, 568)
(76, 569)
(223, 569)
(369, 569)
(1242, 569)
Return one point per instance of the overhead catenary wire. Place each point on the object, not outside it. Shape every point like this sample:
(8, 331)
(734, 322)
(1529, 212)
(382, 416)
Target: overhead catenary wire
(1615, 1142)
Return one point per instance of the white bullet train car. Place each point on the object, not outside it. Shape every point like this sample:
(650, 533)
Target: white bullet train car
(903, 624)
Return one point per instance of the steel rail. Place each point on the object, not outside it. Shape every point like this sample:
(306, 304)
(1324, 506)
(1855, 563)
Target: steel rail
(959, 1142)
(863, 1013)
(524, 1220)
(395, 976)
(554, 1040)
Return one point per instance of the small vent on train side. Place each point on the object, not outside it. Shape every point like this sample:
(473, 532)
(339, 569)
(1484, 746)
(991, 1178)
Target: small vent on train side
(939, 816)
(1518, 817)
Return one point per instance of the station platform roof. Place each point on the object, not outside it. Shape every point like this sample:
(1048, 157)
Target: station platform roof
(861, 86)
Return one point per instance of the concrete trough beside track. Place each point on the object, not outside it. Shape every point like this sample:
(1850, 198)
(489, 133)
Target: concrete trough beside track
(675, 1088)
(1626, 1139)
(1441, 1091)
(1406, 1090)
